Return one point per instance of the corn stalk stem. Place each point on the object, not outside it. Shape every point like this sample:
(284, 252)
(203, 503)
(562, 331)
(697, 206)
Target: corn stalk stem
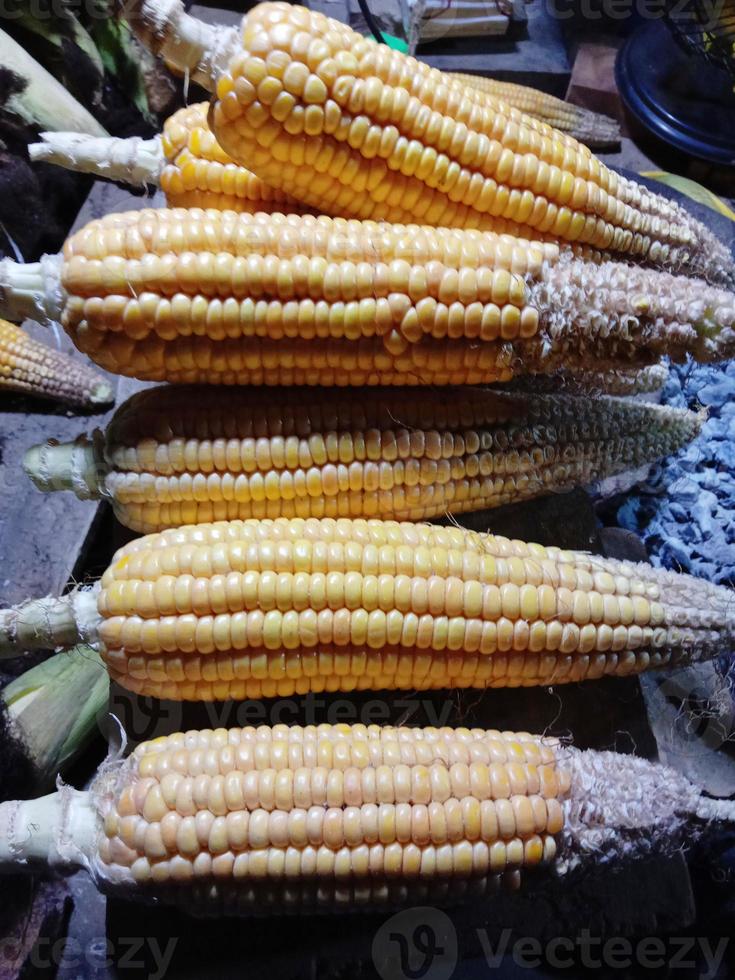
(131, 161)
(48, 623)
(184, 42)
(32, 291)
(58, 831)
(78, 466)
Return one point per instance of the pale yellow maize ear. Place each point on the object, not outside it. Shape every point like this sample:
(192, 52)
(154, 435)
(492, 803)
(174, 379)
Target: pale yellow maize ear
(213, 296)
(31, 368)
(357, 129)
(192, 169)
(183, 455)
(292, 820)
(199, 174)
(250, 609)
(592, 128)
(341, 805)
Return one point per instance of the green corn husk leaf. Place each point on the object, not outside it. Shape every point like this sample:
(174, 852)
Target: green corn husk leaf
(122, 60)
(37, 98)
(55, 27)
(53, 708)
(102, 38)
(65, 27)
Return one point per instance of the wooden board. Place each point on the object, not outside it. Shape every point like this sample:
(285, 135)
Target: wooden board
(456, 25)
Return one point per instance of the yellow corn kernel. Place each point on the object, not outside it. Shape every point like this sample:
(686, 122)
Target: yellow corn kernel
(198, 173)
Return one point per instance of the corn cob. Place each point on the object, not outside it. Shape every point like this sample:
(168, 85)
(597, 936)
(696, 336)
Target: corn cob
(288, 820)
(271, 608)
(185, 160)
(194, 171)
(213, 296)
(357, 129)
(34, 369)
(592, 128)
(182, 455)
(643, 381)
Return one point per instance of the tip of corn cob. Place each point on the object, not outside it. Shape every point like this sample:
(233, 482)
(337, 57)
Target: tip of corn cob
(619, 382)
(613, 797)
(613, 315)
(596, 130)
(102, 393)
(31, 368)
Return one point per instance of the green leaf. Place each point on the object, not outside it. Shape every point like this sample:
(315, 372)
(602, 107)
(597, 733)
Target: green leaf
(54, 707)
(40, 99)
(122, 60)
(55, 26)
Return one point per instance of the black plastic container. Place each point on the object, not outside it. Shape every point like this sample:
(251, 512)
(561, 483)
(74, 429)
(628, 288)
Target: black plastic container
(680, 98)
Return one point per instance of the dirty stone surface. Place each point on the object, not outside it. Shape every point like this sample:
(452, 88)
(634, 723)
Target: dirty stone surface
(685, 511)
